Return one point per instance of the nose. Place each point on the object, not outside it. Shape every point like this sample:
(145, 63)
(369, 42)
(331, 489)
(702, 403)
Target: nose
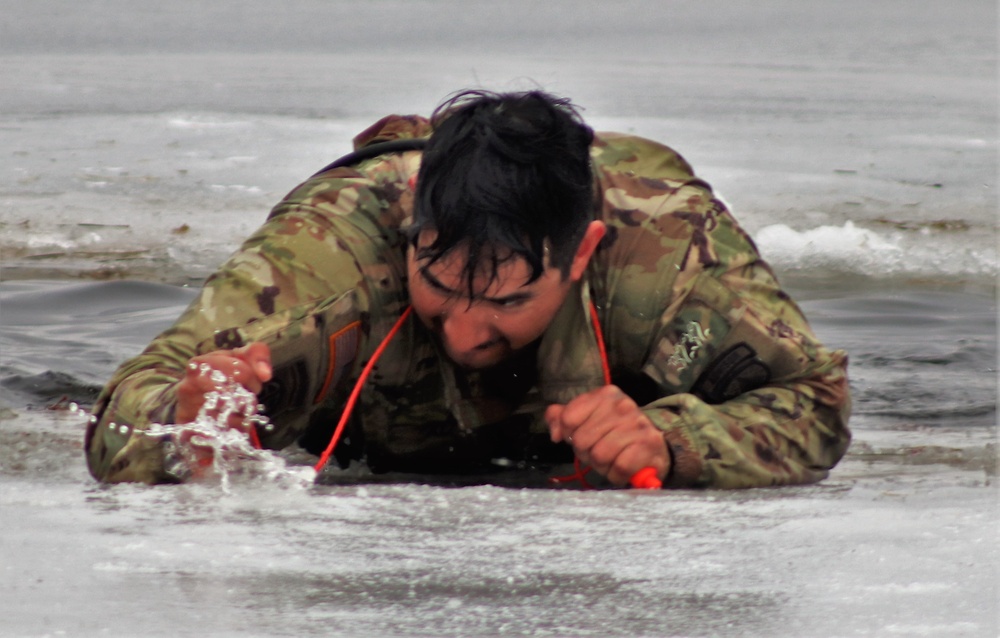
(465, 328)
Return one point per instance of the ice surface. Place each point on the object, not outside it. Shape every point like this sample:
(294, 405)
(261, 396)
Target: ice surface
(901, 540)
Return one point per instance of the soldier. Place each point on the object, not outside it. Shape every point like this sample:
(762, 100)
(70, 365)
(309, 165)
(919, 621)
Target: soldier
(572, 294)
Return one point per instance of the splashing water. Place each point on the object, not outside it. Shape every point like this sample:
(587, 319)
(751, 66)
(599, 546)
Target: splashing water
(209, 449)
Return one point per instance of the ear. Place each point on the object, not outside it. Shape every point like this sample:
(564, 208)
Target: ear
(591, 239)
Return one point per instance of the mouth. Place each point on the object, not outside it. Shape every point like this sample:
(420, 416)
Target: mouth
(481, 356)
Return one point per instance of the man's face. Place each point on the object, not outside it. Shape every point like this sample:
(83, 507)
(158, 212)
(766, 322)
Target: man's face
(505, 313)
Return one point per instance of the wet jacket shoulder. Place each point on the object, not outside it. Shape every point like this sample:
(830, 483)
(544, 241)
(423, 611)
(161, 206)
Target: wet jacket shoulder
(324, 272)
(700, 332)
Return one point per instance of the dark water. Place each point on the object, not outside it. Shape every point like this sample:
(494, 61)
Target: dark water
(63, 339)
(917, 356)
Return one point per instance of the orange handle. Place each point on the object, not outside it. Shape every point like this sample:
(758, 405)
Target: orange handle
(645, 479)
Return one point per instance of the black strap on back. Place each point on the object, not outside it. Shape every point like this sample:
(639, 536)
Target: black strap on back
(374, 150)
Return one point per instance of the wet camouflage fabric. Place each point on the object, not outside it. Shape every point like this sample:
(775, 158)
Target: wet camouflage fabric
(697, 331)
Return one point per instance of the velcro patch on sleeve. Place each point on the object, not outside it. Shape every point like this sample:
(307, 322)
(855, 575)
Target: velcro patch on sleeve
(735, 371)
(343, 346)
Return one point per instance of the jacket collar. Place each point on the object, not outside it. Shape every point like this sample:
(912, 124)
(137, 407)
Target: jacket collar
(569, 361)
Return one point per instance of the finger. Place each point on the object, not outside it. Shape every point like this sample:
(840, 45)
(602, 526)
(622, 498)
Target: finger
(240, 420)
(605, 439)
(601, 454)
(257, 355)
(553, 415)
(626, 451)
(232, 368)
(567, 424)
(609, 410)
(596, 404)
(191, 392)
(209, 373)
(630, 460)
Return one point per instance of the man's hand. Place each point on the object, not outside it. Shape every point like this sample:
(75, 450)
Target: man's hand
(610, 433)
(249, 366)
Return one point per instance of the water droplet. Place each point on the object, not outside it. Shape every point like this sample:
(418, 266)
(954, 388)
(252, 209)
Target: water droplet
(233, 456)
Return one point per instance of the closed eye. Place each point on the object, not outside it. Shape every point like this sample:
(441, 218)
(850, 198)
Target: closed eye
(436, 285)
(510, 301)
(507, 302)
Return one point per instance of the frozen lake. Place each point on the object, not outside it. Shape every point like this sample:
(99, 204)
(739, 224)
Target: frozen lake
(857, 141)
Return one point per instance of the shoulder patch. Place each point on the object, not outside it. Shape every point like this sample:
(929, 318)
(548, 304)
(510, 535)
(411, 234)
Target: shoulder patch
(693, 340)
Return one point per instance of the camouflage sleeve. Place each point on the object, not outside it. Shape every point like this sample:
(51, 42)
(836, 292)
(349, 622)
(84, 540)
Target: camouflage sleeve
(752, 398)
(322, 259)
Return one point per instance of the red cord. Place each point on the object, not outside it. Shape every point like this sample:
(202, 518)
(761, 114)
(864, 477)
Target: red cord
(643, 479)
(605, 366)
(254, 437)
(581, 470)
(353, 399)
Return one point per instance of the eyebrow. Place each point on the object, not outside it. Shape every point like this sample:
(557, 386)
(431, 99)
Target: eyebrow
(435, 283)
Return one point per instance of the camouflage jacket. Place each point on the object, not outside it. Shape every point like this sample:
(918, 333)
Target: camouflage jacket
(696, 327)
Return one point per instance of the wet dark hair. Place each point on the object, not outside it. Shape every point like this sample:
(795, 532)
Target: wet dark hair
(505, 175)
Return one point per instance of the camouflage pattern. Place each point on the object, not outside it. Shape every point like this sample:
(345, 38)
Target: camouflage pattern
(698, 331)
